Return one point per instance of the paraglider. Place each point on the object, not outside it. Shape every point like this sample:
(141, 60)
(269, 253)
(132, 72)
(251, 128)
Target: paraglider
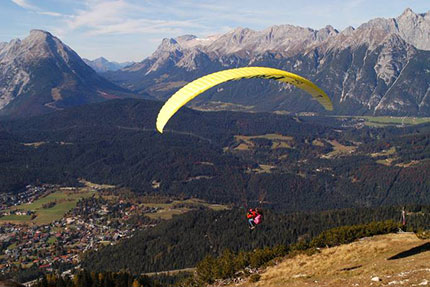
(200, 85)
(196, 87)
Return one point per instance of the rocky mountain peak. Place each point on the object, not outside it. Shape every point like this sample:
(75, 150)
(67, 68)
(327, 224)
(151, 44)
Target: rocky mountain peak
(415, 28)
(167, 42)
(38, 45)
(348, 30)
(42, 40)
(239, 34)
(101, 60)
(325, 33)
(40, 34)
(408, 13)
(45, 74)
(232, 41)
(167, 45)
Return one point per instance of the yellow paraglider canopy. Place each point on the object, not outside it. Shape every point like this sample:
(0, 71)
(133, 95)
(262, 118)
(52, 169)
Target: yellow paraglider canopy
(196, 87)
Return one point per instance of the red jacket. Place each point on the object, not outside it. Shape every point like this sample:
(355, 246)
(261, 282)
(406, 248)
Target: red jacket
(251, 214)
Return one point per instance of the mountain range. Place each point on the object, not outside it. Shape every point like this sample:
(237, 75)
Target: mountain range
(380, 68)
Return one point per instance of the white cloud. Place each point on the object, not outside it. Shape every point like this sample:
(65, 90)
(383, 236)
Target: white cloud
(122, 17)
(141, 26)
(26, 5)
(49, 13)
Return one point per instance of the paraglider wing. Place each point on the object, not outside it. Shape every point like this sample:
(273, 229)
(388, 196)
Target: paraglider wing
(196, 87)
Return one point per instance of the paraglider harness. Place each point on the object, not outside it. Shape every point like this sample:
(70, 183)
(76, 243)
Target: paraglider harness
(254, 217)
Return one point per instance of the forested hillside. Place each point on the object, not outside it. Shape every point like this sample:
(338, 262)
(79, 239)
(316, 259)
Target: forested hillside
(291, 163)
(187, 239)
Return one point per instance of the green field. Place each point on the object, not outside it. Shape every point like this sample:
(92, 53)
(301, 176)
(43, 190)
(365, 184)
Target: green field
(65, 199)
(390, 121)
(383, 121)
(16, 218)
(168, 210)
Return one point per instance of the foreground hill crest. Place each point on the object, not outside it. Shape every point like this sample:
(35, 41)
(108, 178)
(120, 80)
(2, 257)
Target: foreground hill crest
(383, 260)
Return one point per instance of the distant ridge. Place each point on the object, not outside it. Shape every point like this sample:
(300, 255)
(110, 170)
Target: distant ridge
(378, 68)
(103, 65)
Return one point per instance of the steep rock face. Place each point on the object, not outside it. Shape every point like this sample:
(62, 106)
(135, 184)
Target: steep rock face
(40, 73)
(285, 39)
(379, 68)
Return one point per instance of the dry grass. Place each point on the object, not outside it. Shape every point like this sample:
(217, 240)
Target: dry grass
(278, 141)
(339, 149)
(35, 144)
(386, 161)
(389, 154)
(411, 163)
(386, 152)
(317, 142)
(244, 146)
(56, 94)
(354, 264)
(95, 185)
(264, 168)
(390, 157)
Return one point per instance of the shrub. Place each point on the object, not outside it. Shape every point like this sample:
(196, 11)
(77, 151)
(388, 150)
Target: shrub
(254, 278)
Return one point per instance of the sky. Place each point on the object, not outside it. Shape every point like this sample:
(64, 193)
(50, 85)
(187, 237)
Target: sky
(131, 30)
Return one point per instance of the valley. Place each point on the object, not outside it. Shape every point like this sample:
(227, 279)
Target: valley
(326, 131)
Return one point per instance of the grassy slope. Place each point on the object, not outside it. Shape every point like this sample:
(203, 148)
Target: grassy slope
(355, 264)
